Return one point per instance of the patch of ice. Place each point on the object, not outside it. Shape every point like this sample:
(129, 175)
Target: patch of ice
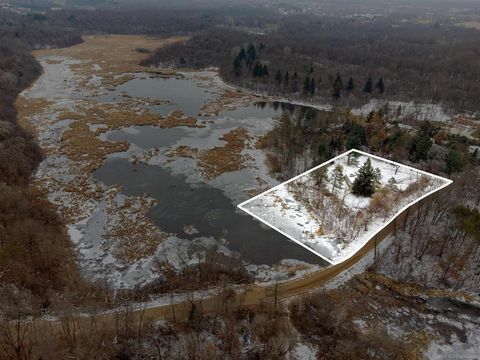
(456, 349)
(303, 352)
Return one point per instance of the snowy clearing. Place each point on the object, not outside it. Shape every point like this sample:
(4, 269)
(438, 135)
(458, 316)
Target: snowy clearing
(323, 211)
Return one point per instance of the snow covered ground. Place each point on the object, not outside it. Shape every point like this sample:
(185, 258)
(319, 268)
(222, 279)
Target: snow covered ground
(418, 111)
(333, 222)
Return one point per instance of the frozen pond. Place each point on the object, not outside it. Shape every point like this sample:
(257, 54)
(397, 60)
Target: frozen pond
(183, 94)
(205, 207)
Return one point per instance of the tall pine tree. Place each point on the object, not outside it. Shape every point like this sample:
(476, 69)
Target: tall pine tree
(337, 87)
(337, 179)
(306, 85)
(380, 86)
(368, 86)
(237, 66)
(251, 55)
(364, 183)
(350, 85)
(242, 55)
(257, 70)
(265, 71)
(278, 78)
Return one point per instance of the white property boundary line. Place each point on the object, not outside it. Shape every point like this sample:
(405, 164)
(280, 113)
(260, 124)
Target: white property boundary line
(242, 205)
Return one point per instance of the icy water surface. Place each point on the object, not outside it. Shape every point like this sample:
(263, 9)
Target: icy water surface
(147, 137)
(203, 206)
(207, 205)
(183, 94)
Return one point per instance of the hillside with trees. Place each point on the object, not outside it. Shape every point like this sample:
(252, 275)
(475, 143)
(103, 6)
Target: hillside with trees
(344, 61)
(36, 257)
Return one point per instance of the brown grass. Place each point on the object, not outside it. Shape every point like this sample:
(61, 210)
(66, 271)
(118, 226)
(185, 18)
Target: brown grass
(27, 108)
(176, 119)
(265, 141)
(182, 151)
(229, 100)
(221, 159)
(273, 163)
(134, 233)
(81, 145)
(115, 54)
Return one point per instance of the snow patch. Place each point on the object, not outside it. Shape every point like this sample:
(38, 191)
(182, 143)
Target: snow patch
(348, 223)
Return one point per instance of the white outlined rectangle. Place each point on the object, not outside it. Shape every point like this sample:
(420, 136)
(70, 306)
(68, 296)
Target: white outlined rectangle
(445, 182)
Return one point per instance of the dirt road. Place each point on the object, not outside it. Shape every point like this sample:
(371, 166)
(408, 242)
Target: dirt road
(248, 295)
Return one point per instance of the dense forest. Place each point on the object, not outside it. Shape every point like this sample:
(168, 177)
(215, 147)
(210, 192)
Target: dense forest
(305, 137)
(445, 229)
(35, 253)
(159, 21)
(346, 61)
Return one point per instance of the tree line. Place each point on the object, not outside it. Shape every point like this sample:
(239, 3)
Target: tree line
(36, 256)
(348, 61)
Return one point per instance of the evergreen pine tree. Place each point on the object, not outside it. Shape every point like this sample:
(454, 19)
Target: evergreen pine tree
(320, 177)
(306, 85)
(380, 86)
(237, 66)
(242, 55)
(265, 71)
(364, 183)
(337, 87)
(392, 184)
(278, 78)
(323, 150)
(312, 86)
(350, 85)
(377, 179)
(337, 178)
(422, 147)
(287, 79)
(455, 161)
(251, 55)
(257, 70)
(339, 82)
(194, 317)
(357, 137)
(368, 86)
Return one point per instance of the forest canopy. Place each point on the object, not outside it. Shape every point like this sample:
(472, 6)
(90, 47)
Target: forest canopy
(349, 61)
